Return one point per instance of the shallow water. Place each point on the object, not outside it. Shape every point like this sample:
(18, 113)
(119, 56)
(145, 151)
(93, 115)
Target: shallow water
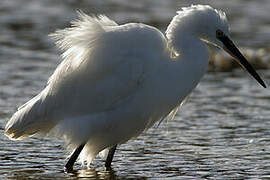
(222, 132)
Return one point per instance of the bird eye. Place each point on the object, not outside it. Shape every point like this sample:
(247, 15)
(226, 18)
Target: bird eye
(219, 33)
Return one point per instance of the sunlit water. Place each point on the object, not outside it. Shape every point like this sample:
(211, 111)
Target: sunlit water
(222, 132)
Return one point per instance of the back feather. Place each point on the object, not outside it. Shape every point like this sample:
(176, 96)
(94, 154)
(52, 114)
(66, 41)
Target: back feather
(82, 30)
(77, 41)
(31, 118)
(37, 115)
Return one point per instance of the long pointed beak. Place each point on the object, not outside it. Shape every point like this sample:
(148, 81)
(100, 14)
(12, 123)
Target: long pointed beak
(230, 48)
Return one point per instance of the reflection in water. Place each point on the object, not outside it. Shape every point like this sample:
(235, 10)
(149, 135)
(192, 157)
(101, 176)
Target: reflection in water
(95, 173)
(88, 173)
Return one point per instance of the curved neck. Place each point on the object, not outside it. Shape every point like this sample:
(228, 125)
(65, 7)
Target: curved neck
(184, 43)
(190, 48)
(192, 62)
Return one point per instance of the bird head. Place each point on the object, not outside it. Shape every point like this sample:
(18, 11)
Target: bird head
(211, 26)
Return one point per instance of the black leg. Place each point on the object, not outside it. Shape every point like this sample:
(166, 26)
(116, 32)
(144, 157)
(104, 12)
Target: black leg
(110, 156)
(69, 166)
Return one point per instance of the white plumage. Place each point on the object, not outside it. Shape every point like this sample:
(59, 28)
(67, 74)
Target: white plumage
(115, 81)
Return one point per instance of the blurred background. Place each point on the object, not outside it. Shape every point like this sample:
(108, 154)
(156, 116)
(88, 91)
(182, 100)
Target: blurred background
(223, 131)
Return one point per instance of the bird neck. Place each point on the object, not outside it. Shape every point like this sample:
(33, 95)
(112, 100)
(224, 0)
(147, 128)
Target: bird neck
(184, 35)
(190, 64)
(188, 47)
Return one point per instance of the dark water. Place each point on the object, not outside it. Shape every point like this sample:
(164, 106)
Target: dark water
(222, 132)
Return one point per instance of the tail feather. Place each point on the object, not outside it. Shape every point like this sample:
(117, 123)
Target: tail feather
(30, 119)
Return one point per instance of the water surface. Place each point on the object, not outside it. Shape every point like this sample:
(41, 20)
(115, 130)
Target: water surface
(222, 132)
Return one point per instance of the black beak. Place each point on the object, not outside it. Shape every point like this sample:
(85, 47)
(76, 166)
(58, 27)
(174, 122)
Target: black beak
(230, 48)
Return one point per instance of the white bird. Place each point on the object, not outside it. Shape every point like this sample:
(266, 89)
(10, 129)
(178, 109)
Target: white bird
(116, 81)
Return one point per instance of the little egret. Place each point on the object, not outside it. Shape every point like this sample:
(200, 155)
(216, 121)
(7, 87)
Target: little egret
(116, 81)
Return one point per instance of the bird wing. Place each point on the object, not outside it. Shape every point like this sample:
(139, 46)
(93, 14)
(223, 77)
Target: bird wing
(104, 65)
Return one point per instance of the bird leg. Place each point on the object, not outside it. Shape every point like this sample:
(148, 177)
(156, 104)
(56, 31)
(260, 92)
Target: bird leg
(110, 156)
(69, 166)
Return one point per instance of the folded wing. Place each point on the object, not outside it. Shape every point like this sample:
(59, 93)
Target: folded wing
(103, 66)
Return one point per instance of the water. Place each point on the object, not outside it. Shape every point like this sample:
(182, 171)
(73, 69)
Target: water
(222, 132)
